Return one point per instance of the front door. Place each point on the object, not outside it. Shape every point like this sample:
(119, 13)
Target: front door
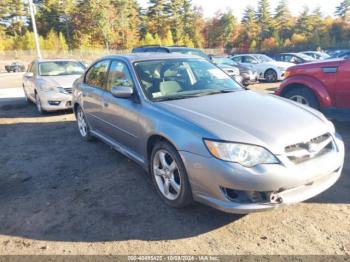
(121, 114)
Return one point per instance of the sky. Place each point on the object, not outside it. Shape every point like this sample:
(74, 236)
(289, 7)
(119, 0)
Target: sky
(210, 7)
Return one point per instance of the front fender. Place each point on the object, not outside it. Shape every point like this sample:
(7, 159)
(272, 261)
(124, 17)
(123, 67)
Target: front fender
(314, 84)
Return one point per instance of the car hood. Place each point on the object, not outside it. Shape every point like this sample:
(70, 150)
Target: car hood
(63, 81)
(252, 118)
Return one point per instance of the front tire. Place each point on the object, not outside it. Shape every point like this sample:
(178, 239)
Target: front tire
(83, 125)
(271, 76)
(39, 107)
(169, 176)
(303, 96)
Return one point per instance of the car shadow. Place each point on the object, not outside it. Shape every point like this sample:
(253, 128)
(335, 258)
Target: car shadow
(18, 107)
(55, 186)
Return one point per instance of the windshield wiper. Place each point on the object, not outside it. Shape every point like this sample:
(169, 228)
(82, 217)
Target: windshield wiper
(193, 95)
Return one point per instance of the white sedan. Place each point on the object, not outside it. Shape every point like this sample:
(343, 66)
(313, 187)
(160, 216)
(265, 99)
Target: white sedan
(267, 68)
(48, 83)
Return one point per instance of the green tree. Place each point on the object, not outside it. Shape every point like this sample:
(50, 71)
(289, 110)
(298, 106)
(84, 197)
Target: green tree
(283, 21)
(157, 18)
(264, 19)
(343, 10)
(168, 39)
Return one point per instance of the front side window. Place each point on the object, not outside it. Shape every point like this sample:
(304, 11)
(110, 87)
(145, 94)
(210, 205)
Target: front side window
(97, 74)
(182, 78)
(237, 59)
(59, 68)
(119, 75)
(249, 60)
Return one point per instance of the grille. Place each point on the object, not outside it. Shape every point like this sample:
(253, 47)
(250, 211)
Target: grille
(68, 90)
(316, 147)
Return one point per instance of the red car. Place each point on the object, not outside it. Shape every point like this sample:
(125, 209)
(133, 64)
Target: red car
(322, 85)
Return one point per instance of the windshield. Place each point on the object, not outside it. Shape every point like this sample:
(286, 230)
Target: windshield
(59, 68)
(190, 52)
(306, 57)
(264, 58)
(224, 60)
(182, 78)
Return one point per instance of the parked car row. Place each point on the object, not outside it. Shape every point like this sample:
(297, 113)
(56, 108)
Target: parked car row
(198, 133)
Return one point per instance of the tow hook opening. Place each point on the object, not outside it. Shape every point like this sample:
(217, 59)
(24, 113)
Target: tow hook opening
(275, 198)
(246, 197)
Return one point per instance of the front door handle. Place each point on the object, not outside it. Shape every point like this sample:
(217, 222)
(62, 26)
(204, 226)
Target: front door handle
(105, 104)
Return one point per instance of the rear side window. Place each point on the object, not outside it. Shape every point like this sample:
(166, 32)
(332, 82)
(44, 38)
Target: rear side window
(237, 59)
(97, 74)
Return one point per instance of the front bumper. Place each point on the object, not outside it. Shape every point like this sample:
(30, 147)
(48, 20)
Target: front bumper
(290, 183)
(53, 101)
(249, 79)
(280, 75)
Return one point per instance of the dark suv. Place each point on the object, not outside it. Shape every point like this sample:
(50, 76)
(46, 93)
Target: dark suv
(170, 49)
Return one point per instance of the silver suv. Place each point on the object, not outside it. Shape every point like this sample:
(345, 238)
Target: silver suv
(202, 137)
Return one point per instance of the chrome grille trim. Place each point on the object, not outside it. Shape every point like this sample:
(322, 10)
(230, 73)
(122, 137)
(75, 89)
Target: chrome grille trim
(68, 90)
(305, 151)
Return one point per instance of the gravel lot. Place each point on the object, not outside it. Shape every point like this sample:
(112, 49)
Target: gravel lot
(60, 195)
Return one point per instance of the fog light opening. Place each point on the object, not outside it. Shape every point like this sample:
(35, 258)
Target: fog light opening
(54, 103)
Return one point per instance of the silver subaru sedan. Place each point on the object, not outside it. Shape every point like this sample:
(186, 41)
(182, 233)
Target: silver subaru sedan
(202, 137)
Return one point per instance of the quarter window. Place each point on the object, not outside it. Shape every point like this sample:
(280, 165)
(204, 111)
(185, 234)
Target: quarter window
(119, 75)
(96, 76)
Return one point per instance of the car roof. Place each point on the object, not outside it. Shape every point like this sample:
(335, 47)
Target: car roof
(39, 60)
(134, 57)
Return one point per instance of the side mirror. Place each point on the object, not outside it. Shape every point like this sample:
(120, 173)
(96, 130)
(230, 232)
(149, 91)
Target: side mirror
(29, 74)
(122, 91)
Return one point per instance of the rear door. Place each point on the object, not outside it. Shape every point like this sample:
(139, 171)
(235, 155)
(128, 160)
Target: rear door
(93, 89)
(121, 115)
(342, 90)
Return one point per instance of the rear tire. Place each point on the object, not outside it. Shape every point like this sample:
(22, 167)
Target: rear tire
(169, 176)
(303, 96)
(83, 125)
(26, 96)
(270, 76)
(39, 108)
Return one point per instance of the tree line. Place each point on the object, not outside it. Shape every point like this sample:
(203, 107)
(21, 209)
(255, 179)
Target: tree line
(123, 24)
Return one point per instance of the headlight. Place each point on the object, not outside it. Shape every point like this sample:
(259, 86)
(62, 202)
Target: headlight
(246, 155)
(58, 89)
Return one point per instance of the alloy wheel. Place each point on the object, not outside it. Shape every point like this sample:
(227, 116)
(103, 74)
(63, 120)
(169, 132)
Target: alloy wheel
(300, 99)
(166, 173)
(82, 125)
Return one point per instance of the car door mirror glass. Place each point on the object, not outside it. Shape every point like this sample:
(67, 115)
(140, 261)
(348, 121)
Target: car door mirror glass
(122, 91)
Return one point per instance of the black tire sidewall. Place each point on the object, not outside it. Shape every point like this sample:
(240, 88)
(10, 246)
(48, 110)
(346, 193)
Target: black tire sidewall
(185, 197)
(88, 136)
(306, 94)
(271, 71)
